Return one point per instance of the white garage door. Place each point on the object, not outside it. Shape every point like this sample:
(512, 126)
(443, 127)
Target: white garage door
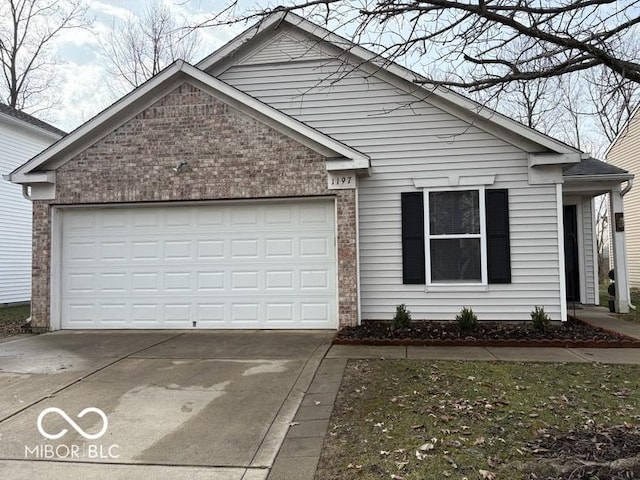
(241, 265)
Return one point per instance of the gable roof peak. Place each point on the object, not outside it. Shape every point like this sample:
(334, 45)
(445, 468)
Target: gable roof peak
(274, 21)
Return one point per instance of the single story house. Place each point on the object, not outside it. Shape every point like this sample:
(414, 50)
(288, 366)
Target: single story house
(292, 179)
(21, 137)
(624, 152)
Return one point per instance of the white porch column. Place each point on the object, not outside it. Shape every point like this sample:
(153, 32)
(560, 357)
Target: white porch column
(619, 253)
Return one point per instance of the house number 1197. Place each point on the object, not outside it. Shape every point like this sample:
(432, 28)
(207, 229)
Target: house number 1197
(341, 181)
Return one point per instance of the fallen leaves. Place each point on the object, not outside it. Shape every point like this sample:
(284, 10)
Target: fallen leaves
(486, 474)
(439, 420)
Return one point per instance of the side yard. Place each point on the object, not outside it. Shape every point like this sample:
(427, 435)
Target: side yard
(409, 419)
(12, 319)
(632, 316)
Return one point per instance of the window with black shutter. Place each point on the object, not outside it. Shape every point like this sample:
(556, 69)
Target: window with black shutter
(460, 222)
(413, 271)
(498, 244)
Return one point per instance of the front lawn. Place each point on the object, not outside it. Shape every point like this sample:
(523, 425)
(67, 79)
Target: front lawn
(411, 419)
(12, 319)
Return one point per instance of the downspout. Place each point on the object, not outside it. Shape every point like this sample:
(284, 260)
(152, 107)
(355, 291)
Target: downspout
(26, 195)
(25, 188)
(25, 192)
(623, 192)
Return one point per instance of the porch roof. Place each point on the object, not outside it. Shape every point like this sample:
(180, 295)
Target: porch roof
(593, 177)
(592, 166)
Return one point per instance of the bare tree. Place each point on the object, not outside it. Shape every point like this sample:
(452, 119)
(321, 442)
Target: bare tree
(28, 29)
(615, 99)
(562, 36)
(142, 47)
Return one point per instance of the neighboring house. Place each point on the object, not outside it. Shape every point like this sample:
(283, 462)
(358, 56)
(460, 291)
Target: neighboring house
(21, 137)
(624, 152)
(276, 186)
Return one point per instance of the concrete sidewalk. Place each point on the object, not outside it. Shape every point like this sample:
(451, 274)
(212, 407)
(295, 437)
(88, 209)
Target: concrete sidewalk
(300, 453)
(601, 317)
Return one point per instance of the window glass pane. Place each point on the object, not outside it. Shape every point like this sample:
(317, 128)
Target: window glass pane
(455, 260)
(454, 212)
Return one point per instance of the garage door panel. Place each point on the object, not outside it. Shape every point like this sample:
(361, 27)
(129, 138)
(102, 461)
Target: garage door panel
(177, 250)
(314, 247)
(210, 249)
(232, 266)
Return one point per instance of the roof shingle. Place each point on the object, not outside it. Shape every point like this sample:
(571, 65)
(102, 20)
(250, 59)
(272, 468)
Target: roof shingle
(592, 166)
(25, 117)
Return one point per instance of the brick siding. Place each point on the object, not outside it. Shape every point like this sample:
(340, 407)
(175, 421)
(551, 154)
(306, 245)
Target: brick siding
(230, 155)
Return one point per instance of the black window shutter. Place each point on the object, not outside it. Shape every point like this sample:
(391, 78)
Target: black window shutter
(498, 247)
(413, 238)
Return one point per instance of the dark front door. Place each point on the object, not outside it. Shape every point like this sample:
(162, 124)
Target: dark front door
(571, 253)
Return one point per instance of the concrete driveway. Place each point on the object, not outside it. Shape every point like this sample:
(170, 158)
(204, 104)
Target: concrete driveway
(177, 404)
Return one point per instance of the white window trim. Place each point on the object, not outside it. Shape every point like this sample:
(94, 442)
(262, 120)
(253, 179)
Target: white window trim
(480, 286)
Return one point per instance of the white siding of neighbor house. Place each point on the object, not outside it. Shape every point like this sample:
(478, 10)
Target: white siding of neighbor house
(625, 153)
(590, 258)
(408, 139)
(17, 145)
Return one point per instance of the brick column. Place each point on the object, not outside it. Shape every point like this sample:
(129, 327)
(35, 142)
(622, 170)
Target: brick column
(41, 267)
(347, 259)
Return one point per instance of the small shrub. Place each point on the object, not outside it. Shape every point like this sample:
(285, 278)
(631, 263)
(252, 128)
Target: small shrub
(402, 318)
(466, 319)
(541, 321)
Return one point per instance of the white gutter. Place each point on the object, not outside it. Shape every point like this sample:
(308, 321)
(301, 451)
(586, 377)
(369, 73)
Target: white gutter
(616, 177)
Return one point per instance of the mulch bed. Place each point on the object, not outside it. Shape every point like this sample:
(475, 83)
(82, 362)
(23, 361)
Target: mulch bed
(573, 333)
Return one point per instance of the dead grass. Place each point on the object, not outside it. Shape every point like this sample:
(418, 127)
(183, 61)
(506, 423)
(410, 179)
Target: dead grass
(410, 419)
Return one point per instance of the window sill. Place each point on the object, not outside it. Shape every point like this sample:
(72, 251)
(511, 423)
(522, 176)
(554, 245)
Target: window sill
(454, 287)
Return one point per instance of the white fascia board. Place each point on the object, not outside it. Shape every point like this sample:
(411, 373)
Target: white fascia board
(446, 94)
(32, 178)
(536, 159)
(405, 74)
(30, 127)
(327, 144)
(81, 133)
(618, 177)
(339, 164)
(124, 109)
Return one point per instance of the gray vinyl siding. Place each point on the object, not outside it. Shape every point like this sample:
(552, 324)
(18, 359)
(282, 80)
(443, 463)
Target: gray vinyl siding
(406, 139)
(589, 255)
(16, 147)
(625, 153)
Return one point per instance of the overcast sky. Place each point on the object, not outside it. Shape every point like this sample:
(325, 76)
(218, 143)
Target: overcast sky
(84, 85)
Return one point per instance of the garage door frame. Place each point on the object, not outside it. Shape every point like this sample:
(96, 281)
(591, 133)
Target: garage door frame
(57, 215)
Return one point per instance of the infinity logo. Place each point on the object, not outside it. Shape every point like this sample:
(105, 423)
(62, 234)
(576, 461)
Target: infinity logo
(73, 424)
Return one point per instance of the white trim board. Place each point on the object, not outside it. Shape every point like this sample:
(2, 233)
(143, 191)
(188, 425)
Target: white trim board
(160, 85)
